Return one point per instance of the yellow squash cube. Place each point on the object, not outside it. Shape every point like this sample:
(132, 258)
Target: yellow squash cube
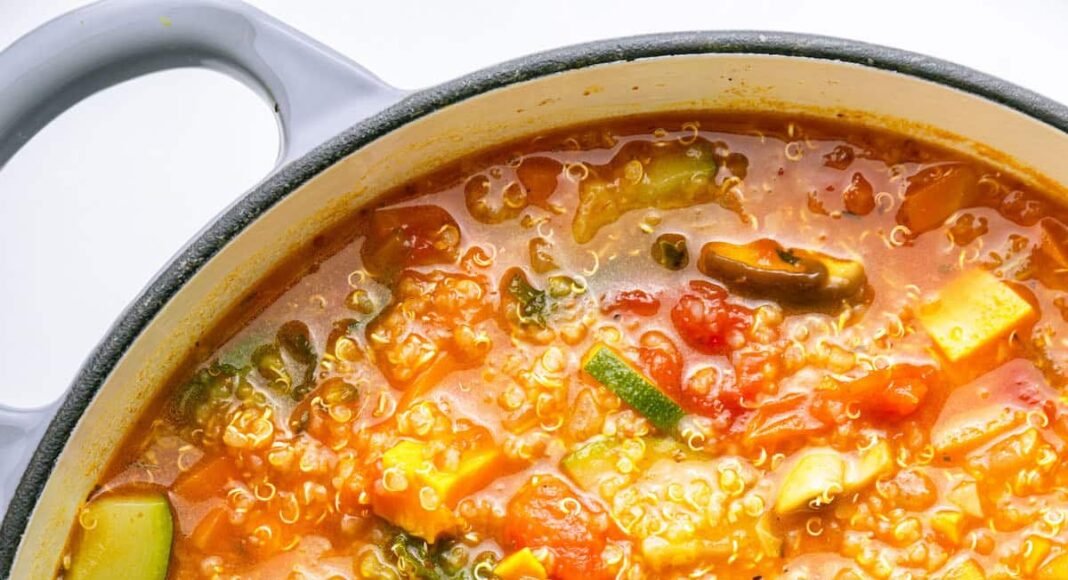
(520, 565)
(949, 523)
(1036, 548)
(424, 507)
(963, 570)
(1055, 569)
(965, 495)
(972, 312)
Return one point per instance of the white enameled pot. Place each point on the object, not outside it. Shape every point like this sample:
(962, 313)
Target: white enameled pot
(348, 138)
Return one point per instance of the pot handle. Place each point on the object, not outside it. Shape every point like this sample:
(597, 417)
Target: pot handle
(20, 431)
(315, 92)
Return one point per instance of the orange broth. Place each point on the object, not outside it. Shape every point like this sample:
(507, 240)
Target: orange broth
(705, 346)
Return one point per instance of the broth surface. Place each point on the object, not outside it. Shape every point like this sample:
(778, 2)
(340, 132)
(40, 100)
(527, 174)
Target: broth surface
(711, 346)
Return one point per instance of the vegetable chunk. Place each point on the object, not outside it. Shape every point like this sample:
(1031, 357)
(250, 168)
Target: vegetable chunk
(815, 480)
(766, 269)
(1055, 569)
(972, 312)
(410, 236)
(935, 193)
(670, 176)
(963, 570)
(419, 496)
(873, 462)
(576, 537)
(129, 537)
(988, 406)
(597, 462)
(593, 463)
(519, 565)
(1050, 256)
(612, 371)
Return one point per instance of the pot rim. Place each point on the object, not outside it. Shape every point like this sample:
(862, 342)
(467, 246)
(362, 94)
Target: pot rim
(188, 262)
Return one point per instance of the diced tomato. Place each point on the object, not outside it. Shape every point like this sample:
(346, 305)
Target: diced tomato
(410, 236)
(539, 516)
(757, 369)
(637, 302)
(721, 395)
(659, 358)
(901, 397)
(705, 320)
(539, 176)
(789, 417)
(892, 392)
(713, 393)
(859, 197)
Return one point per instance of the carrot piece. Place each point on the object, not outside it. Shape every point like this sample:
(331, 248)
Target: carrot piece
(934, 194)
(441, 366)
(207, 479)
(212, 531)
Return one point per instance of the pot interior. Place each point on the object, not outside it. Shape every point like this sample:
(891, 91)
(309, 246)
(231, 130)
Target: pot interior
(721, 82)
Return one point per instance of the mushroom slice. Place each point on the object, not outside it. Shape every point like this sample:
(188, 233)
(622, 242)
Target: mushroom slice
(765, 269)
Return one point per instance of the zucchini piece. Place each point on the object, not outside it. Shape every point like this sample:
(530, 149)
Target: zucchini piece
(128, 537)
(676, 172)
(614, 372)
(815, 480)
(872, 463)
(592, 463)
(669, 175)
(598, 461)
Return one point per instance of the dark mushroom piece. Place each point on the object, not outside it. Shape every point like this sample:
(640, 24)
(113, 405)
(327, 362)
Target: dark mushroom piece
(765, 269)
(669, 250)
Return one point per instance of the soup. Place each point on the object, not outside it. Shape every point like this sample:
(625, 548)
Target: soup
(713, 346)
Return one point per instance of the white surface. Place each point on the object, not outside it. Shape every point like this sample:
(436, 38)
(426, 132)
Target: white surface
(98, 201)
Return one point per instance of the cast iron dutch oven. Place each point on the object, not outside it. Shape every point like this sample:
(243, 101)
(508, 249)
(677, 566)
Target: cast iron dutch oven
(348, 137)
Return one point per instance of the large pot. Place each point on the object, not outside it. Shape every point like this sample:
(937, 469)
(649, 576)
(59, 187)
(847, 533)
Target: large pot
(348, 137)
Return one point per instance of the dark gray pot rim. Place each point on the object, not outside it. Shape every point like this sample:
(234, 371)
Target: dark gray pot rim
(280, 184)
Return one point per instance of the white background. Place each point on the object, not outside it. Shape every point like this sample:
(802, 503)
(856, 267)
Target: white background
(100, 199)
